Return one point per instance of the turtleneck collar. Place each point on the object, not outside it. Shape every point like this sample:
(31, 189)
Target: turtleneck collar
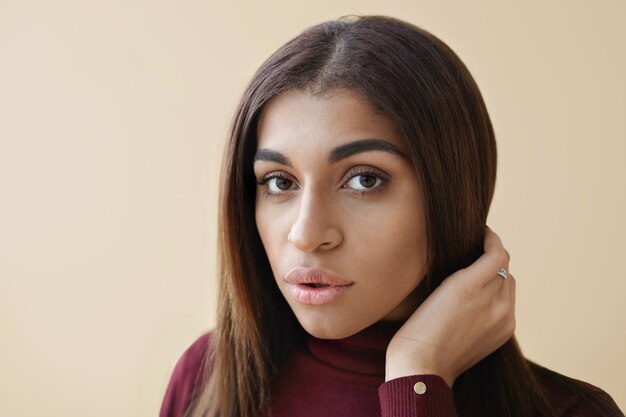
(363, 352)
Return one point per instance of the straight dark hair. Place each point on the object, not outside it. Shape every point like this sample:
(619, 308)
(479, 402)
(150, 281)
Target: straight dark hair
(417, 81)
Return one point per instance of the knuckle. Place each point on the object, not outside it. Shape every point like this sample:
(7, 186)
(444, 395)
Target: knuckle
(501, 259)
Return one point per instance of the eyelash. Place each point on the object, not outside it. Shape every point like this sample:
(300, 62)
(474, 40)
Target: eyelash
(265, 179)
(356, 172)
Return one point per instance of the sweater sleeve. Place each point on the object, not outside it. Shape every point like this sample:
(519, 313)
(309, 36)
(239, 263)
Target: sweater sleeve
(416, 396)
(185, 381)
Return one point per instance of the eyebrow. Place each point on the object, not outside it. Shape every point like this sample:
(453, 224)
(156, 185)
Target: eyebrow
(337, 154)
(360, 146)
(272, 156)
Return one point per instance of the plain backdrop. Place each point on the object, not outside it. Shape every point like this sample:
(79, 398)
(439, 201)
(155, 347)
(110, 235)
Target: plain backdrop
(113, 116)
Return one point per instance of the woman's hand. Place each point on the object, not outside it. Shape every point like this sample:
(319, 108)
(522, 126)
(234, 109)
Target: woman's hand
(470, 315)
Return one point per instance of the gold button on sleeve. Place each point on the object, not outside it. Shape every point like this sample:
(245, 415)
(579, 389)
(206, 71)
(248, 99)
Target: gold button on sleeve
(419, 387)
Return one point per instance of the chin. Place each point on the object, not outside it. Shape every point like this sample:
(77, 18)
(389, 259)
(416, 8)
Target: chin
(331, 328)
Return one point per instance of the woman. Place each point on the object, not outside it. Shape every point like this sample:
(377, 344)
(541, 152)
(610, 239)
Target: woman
(357, 277)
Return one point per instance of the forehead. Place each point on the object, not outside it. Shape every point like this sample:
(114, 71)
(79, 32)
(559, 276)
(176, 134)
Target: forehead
(300, 118)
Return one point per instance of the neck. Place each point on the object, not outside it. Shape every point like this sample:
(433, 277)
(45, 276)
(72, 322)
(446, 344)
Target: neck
(363, 352)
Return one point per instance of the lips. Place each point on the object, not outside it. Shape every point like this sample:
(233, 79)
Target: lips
(316, 286)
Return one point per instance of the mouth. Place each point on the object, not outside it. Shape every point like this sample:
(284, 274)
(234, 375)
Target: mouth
(315, 277)
(316, 286)
(313, 285)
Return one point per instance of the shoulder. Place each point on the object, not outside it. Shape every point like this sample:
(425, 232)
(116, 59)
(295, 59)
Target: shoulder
(187, 377)
(572, 397)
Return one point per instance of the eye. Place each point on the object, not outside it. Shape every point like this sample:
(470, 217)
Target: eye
(276, 184)
(364, 182)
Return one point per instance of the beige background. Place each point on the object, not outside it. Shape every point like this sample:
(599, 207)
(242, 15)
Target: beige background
(112, 119)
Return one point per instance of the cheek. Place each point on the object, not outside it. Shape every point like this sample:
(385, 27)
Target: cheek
(392, 240)
(400, 251)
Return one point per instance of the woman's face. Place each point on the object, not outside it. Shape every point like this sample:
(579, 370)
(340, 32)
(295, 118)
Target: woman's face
(339, 210)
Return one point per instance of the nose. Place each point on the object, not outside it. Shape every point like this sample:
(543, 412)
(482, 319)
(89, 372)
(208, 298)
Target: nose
(315, 227)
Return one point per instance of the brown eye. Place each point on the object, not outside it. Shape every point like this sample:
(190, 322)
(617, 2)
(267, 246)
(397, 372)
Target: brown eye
(277, 185)
(283, 184)
(364, 182)
(367, 181)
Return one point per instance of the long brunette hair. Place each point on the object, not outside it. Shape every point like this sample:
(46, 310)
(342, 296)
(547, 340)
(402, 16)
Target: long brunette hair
(419, 82)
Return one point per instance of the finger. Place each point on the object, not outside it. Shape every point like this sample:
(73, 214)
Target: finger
(492, 240)
(486, 268)
(504, 286)
(502, 300)
(509, 293)
(495, 258)
(511, 288)
(498, 286)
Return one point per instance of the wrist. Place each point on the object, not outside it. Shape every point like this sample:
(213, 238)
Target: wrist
(400, 367)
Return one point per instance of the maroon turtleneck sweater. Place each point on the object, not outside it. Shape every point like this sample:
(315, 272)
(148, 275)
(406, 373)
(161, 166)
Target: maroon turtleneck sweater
(346, 378)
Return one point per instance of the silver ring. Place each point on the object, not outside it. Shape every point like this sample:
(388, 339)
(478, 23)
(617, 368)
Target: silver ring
(503, 273)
